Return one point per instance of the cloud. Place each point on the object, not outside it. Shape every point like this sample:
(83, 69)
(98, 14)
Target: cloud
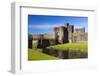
(44, 27)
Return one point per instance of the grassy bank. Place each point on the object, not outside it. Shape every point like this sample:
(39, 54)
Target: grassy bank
(37, 55)
(70, 46)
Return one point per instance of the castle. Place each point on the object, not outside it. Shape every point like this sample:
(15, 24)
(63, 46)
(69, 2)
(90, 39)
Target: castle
(67, 34)
(62, 34)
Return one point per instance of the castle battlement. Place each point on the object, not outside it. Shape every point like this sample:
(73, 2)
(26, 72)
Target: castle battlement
(65, 34)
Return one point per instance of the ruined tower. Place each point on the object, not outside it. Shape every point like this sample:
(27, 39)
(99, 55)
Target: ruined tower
(70, 29)
(63, 34)
(30, 41)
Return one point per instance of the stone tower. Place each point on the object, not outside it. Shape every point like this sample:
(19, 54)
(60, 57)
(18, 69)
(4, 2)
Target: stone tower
(70, 29)
(30, 41)
(63, 34)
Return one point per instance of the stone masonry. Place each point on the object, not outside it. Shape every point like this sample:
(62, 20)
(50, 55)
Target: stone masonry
(62, 34)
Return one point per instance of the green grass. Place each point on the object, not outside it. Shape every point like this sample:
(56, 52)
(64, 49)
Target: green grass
(70, 46)
(36, 55)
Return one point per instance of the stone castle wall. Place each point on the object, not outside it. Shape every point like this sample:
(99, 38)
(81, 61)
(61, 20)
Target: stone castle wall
(46, 36)
(65, 34)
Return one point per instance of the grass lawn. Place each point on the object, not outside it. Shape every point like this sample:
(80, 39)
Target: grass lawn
(70, 46)
(36, 55)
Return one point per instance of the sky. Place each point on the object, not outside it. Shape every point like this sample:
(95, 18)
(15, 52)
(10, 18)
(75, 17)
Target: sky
(44, 24)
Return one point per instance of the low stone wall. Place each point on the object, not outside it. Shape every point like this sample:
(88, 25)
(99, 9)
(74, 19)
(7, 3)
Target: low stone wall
(67, 54)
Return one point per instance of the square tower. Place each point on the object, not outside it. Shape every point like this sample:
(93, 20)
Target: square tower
(63, 34)
(70, 29)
